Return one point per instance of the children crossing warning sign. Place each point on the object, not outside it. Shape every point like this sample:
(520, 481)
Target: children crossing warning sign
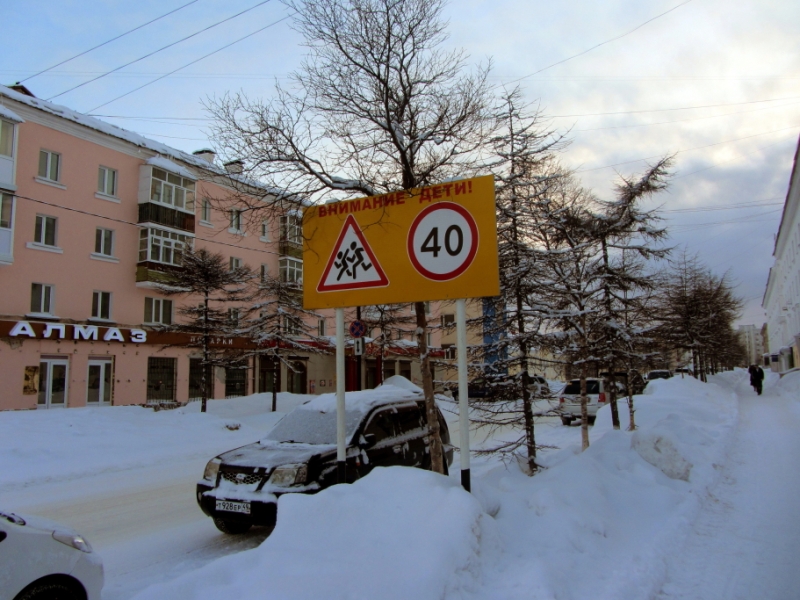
(352, 264)
(432, 243)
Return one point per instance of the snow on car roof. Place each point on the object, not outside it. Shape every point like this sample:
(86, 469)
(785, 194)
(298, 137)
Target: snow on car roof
(393, 389)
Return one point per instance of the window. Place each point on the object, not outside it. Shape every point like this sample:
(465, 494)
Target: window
(236, 263)
(321, 328)
(158, 311)
(292, 326)
(6, 210)
(173, 190)
(101, 305)
(429, 339)
(449, 351)
(235, 382)
(399, 334)
(49, 165)
(42, 298)
(107, 181)
(233, 317)
(427, 308)
(205, 210)
(291, 270)
(45, 233)
(448, 320)
(161, 375)
(161, 246)
(264, 273)
(235, 219)
(264, 231)
(104, 242)
(6, 138)
(292, 229)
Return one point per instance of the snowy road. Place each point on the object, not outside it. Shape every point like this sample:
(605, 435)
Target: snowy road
(144, 522)
(746, 541)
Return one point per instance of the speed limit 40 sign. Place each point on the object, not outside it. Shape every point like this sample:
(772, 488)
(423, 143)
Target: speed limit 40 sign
(432, 243)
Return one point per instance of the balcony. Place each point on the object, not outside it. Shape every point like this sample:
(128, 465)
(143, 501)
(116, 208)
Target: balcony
(151, 212)
(150, 274)
(290, 248)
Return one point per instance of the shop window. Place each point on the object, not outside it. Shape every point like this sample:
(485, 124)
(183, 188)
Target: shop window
(196, 379)
(235, 382)
(161, 375)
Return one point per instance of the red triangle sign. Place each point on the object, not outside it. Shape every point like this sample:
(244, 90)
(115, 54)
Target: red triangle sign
(352, 265)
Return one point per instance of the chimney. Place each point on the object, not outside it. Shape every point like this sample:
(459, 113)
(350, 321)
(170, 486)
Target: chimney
(206, 154)
(235, 167)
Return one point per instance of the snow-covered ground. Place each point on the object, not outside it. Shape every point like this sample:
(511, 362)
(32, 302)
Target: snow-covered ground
(700, 502)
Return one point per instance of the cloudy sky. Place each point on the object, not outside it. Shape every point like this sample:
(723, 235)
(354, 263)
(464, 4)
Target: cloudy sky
(717, 83)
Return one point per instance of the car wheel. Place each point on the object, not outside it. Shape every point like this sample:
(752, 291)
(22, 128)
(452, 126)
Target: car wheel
(231, 527)
(51, 590)
(566, 421)
(591, 420)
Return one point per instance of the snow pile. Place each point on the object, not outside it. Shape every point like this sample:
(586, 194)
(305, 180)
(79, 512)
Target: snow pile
(58, 445)
(397, 534)
(596, 524)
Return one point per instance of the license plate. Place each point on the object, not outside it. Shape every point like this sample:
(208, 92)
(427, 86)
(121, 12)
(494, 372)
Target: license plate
(237, 507)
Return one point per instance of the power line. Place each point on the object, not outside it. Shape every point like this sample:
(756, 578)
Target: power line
(634, 112)
(191, 63)
(687, 149)
(601, 43)
(139, 225)
(107, 41)
(753, 204)
(160, 49)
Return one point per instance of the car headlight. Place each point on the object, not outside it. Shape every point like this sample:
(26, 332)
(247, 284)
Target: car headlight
(212, 468)
(72, 539)
(289, 475)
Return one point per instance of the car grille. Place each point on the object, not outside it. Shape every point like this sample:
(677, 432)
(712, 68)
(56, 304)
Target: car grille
(249, 478)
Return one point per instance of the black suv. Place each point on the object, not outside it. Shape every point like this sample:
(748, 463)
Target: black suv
(384, 427)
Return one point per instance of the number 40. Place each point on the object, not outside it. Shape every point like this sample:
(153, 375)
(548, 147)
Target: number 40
(431, 243)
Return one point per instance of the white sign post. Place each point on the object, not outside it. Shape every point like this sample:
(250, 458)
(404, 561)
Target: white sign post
(341, 446)
(463, 391)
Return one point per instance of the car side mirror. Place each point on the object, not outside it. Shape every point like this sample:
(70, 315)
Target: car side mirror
(368, 440)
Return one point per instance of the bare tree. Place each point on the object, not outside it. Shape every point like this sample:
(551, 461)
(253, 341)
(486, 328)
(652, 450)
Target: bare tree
(377, 106)
(207, 276)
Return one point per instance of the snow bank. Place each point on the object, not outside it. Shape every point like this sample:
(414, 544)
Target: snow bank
(596, 524)
(398, 534)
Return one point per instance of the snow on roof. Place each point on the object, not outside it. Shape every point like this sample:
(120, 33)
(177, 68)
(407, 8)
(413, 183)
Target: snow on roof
(172, 167)
(393, 389)
(9, 114)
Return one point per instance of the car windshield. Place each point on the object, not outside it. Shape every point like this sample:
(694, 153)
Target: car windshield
(574, 387)
(304, 426)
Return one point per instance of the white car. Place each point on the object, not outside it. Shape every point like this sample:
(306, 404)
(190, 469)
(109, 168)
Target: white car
(569, 407)
(42, 560)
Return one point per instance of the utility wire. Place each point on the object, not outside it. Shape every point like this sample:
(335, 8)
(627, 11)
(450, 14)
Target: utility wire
(140, 225)
(190, 63)
(747, 137)
(634, 112)
(107, 41)
(159, 50)
(598, 45)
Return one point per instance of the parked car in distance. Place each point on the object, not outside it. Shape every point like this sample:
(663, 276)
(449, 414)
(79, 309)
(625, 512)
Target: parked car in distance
(569, 402)
(42, 560)
(386, 426)
(659, 374)
(683, 371)
(632, 379)
(539, 386)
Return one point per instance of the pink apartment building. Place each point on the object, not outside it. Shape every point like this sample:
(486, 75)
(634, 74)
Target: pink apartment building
(91, 215)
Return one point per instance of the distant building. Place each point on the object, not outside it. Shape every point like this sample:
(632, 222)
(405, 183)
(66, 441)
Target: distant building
(782, 296)
(750, 335)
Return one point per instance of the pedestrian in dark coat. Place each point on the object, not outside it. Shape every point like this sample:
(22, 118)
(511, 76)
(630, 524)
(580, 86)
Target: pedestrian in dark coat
(756, 378)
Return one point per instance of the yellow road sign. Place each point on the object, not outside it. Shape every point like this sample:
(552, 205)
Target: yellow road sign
(432, 243)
